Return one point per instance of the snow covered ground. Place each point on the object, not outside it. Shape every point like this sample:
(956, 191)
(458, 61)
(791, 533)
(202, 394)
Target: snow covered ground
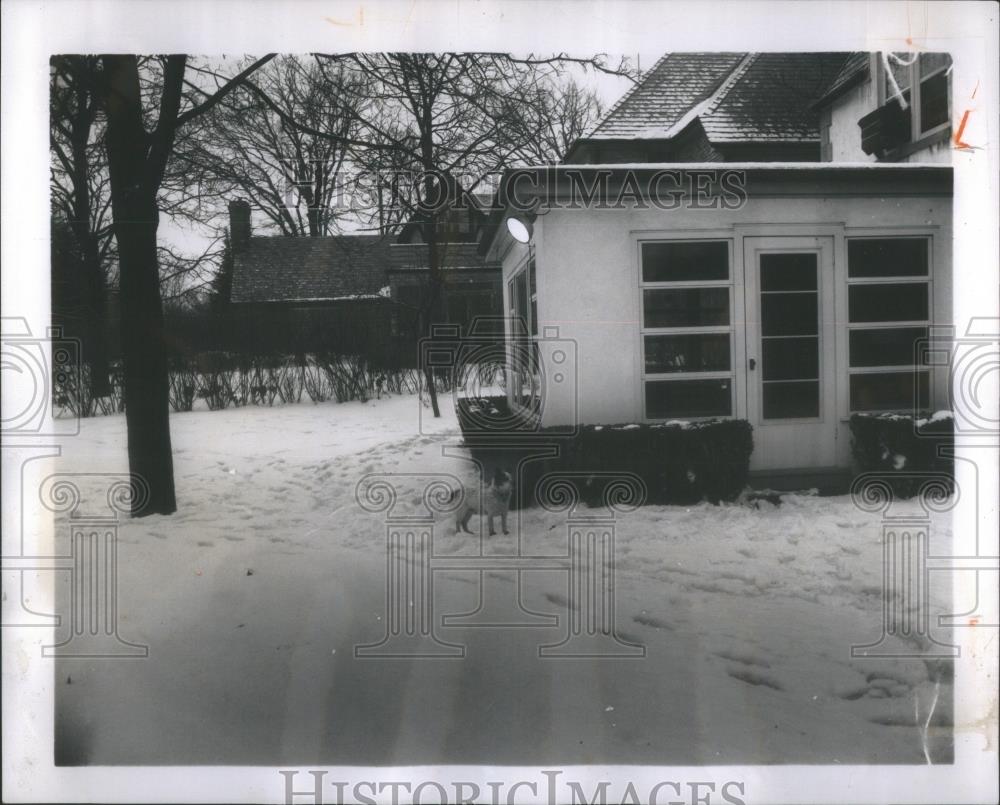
(252, 597)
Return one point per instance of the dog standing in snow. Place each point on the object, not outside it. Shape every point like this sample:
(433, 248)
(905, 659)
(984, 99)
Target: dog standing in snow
(494, 500)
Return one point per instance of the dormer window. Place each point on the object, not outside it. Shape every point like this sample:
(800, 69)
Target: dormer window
(914, 108)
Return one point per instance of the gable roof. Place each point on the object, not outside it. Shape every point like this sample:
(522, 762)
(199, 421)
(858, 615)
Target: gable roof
(770, 98)
(675, 84)
(298, 269)
(854, 70)
(735, 97)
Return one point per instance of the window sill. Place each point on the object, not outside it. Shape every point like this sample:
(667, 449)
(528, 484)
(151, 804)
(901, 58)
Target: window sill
(927, 140)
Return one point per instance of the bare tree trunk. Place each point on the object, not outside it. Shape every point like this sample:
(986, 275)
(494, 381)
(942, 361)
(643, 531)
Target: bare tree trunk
(133, 203)
(94, 346)
(431, 236)
(314, 216)
(433, 295)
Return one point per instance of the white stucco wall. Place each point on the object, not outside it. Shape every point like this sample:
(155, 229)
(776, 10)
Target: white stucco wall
(845, 112)
(588, 283)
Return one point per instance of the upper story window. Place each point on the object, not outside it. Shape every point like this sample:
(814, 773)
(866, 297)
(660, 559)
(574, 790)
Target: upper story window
(913, 104)
(922, 81)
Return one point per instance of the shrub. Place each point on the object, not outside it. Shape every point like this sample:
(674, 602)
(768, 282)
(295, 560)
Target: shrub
(219, 380)
(679, 462)
(895, 444)
(183, 382)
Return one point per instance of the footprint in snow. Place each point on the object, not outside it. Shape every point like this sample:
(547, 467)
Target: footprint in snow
(742, 657)
(651, 621)
(752, 677)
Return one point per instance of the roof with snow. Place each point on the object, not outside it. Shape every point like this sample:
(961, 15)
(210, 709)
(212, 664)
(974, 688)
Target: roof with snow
(675, 84)
(736, 97)
(414, 257)
(334, 268)
(291, 269)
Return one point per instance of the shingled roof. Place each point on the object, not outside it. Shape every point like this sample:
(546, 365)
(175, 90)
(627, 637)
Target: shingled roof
(735, 97)
(414, 257)
(676, 83)
(335, 268)
(294, 269)
(770, 98)
(854, 70)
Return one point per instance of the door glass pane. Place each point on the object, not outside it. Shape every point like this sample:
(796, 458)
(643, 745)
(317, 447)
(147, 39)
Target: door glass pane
(670, 399)
(687, 353)
(788, 272)
(680, 261)
(789, 327)
(788, 313)
(790, 358)
(791, 400)
(889, 347)
(887, 257)
(891, 391)
(685, 307)
(902, 301)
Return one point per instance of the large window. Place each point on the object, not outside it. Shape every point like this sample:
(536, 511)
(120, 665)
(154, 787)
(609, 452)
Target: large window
(922, 81)
(686, 288)
(889, 302)
(522, 291)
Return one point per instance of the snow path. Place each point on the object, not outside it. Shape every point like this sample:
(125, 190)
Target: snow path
(254, 595)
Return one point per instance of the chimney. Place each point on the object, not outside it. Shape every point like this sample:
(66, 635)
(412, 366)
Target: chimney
(239, 224)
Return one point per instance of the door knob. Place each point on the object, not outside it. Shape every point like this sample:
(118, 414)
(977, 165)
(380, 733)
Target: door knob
(753, 364)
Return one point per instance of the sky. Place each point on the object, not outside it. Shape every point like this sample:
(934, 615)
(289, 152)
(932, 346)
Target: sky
(191, 240)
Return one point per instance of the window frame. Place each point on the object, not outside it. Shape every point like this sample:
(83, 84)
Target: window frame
(525, 269)
(911, 369)
(821, 356)
(728, 329)
(883, 97)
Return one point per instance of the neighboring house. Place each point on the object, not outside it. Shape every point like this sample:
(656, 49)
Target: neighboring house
(792, 291)
(351, 293)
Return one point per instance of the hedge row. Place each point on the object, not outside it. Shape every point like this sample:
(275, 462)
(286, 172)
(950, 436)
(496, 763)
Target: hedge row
(680, 463)
(901, 446)
(218, 380)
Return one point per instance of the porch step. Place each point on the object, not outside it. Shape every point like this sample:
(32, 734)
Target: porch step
(827, 480)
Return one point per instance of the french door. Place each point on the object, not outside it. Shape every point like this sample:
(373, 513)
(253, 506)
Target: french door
(790, 365)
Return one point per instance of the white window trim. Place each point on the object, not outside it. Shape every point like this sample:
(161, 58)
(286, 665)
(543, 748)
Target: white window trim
(928, 279)
(821, 301)
(714, 329)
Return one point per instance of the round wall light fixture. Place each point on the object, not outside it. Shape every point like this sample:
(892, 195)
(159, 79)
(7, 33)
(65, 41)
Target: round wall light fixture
(520, 228)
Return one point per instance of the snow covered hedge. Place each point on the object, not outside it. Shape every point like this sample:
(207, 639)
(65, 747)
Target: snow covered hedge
(680, 462)
(904, 446)
(219, 380)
